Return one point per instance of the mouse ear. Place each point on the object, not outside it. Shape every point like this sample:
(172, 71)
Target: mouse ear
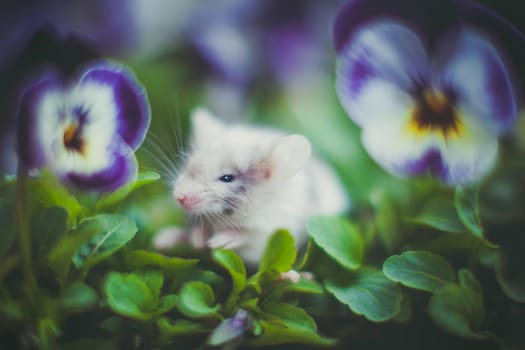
(288, 155)
(205, 126)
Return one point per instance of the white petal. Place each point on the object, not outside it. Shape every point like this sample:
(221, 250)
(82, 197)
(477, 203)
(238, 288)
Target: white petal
(386, 55)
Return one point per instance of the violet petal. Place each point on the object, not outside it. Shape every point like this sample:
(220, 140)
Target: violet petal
(120, 171)
(477, 75)
(30, 149)
(433, 18)
(133, 111)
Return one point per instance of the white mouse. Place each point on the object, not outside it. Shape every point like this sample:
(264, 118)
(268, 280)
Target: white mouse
(245, 182)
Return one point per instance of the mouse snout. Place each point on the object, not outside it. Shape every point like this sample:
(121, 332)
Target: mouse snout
(188, 202)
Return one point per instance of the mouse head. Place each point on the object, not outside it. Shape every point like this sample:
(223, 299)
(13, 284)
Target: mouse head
(231, 168)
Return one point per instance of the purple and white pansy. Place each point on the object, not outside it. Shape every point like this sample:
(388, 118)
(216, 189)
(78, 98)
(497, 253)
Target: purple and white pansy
(84, 130)
(426, 109)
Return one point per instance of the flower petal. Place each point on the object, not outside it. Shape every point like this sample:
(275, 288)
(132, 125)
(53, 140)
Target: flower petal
(434, 17)
(479, 78)
(121, 170)
(133, 111)
(379, 69)
(454, 159)
(37, 103)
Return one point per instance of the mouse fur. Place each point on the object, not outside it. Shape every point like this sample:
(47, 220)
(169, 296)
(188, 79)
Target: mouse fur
(244, 182)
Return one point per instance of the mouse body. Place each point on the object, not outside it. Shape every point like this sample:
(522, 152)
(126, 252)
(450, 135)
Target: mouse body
(244, 182)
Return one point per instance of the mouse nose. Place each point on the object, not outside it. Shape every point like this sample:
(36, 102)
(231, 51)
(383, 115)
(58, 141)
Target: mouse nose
(188, 202)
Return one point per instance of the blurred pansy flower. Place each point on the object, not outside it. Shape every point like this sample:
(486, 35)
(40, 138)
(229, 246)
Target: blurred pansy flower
(84, 130)
(425, 109)
(230, 333)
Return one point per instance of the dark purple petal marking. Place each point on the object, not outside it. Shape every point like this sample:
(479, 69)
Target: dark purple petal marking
(120, 171)
(134, 115)
(433, 17)
(29, 143)
(430, 163)
(480, 80)
(360, 72)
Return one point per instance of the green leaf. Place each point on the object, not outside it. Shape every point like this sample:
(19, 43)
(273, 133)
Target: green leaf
(458, 308)
(47, 227)
(338, 238)
(166, 303)
(196, 300)
(440, 214)
(419, 269)
(467, 206)
(78, 296)
(61, 256)
(370, 294)
(303, 286)
(117, 196)
(235, 267)
(7, 232)
(171, 266)
(115, 231)
(280, 253)
(284, 323)
(509, 272)
(153, 278)
(279, 256)
(47, 190)
(128, 295)
(179, 327)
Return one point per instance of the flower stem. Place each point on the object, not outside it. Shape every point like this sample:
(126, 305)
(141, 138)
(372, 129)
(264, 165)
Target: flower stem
(24, 239)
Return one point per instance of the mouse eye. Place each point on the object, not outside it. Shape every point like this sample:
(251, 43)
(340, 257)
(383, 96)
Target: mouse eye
(227, 178)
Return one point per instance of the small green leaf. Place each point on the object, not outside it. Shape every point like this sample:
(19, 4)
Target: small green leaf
(153, 278)
(338, 238)
(303, 286)
(458, 308)
(78, 296)
(179, 327)
(61, 256)
(7, 232)
(171, 266)
(47, 227)
(235, 267)
(280, 253)
(48, 191)
(509, 272)
(440, 214)
(279, 256)
(284, 323)
(117, 196)
(196, 300)
(370, 294)
(166, 303)
(419, 269)
(467, 206)
(128, 295)
(115, 232)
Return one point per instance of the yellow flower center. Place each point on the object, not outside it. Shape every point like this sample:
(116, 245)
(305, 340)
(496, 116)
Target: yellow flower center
(434, 112)
(73, 140)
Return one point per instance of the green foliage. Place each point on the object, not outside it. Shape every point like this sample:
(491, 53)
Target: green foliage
(115, 232)
(339, 239)
(368, 293)
(419, 270)
(137, 295)
(278, 257)
(458, 308)
(285, 323)
(196, 300)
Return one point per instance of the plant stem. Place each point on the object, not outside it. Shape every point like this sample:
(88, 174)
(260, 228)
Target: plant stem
(24, 238)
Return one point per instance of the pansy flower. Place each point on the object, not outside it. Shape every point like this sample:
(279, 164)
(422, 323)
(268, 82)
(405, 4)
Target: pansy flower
(426, 104)
(84, 130)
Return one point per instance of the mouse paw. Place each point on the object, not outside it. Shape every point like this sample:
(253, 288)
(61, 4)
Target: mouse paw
(227, 240)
